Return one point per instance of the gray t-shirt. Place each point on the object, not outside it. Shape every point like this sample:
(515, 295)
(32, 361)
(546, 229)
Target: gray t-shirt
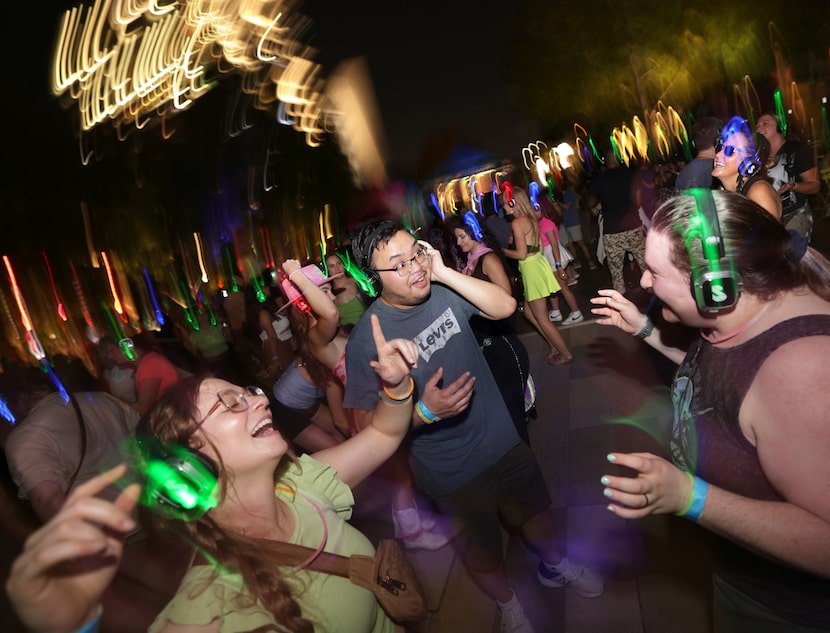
(46, 445)
(449, 453)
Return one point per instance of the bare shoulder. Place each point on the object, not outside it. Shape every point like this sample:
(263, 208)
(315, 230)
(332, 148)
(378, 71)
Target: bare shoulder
(791, 384)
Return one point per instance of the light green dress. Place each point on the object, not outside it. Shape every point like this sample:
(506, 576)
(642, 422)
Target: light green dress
(333, 604)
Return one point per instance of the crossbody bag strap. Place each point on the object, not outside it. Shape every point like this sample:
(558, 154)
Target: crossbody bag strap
(82, 426)
(301, 557)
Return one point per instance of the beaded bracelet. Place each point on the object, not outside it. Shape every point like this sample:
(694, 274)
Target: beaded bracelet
(694, 508)
(646, 330)
(391, 398)
(425, 414)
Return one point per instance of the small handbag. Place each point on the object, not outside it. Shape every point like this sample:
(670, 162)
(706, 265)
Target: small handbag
(388, 574)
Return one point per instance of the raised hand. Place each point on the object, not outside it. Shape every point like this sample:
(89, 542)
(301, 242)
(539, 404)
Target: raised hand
(289, 266)
(614, 309)
(57, 581)
(396, 358)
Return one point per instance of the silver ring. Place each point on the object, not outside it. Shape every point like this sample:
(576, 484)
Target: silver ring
(647, 501)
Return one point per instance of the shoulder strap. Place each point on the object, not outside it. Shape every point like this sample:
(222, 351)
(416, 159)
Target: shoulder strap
(82, 427)
(309, 558)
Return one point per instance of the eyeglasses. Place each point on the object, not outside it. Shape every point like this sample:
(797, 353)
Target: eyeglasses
(727, 150)
(405, 267)
(233, 400)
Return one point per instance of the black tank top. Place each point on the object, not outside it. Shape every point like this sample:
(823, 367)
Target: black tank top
(708, 391)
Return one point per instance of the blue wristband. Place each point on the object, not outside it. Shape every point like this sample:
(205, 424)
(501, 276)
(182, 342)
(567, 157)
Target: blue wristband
(92, 625)
(695, 506)
(428, 416)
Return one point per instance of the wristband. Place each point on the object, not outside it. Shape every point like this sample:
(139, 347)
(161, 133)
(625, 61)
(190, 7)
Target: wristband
(425, 414)
(391, 398)
(646, 330)
(694, 508)
(299, 270)
(558, 265)
(92, 625)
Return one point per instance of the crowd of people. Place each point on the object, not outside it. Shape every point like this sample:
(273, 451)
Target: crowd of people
(279, 405)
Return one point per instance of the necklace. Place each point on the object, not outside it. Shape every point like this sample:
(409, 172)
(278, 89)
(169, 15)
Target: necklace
(741, 329)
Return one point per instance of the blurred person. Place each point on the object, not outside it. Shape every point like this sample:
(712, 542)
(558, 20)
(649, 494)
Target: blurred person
(504, 352)
(571, 234)
(739, 169)
(537, 277)
(465, 451)
(117, 370)
(350, 301)
(311, 410)
(154, 373)
(698, 171)
(750, 431)
(792, 168)
(559, 259)
(236, 582)
(621, 229)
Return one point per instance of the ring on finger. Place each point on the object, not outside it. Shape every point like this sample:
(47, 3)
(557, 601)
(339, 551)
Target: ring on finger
(647, 500)
(608, 301)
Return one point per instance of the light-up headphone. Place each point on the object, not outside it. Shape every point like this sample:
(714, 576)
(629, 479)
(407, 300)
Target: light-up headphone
(716, 284)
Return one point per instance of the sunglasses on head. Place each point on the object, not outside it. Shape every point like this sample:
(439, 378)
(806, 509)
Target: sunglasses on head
(727, 150)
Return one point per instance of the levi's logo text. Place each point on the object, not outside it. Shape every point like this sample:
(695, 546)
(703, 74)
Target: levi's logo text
(436, 336)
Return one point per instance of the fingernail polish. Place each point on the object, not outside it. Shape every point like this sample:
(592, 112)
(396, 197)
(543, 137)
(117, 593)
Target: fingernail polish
(605, 480)
(608, 492)
(610, 509)
(611, 457)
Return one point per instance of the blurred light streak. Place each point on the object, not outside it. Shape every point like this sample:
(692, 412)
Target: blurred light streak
(47, 369)
(6, 413)
(125, 62)
(200, 257)
(32, 341)
(116, 302)
(61, 311)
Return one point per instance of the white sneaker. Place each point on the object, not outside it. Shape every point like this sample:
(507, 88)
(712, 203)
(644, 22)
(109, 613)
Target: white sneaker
(513, 618)
(555, 315)
(573, 317)
(585, 582)
(429, 541)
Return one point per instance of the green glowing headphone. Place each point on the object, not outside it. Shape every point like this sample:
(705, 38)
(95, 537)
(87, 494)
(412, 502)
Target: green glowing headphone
(716, 284)
(178, 482)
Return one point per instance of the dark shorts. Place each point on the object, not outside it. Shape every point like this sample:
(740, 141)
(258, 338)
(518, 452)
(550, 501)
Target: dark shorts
(290, 422)
(513, 490)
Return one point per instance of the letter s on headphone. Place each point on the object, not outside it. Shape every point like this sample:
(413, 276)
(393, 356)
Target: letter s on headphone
(716, 284)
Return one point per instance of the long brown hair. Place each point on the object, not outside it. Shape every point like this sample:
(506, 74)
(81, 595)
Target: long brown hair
(173, 420)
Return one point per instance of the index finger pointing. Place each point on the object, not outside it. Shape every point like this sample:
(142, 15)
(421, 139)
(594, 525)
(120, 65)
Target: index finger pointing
(377, 332)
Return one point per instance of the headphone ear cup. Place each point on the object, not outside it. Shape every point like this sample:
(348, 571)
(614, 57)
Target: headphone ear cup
(748, 167)
(375, 282)
(180, 482)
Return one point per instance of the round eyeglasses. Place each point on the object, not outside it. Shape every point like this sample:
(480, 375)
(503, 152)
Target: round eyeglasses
(405, 267)
(233, 400)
